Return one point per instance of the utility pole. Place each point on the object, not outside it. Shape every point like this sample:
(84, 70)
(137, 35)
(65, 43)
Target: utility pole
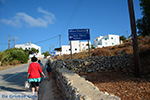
(134, 38)
(14, 42)
(50, 49)
(8, 41)
(60, 42)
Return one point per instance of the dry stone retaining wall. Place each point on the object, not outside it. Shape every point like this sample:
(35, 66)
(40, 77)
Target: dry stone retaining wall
(120, 64)
(74, 87)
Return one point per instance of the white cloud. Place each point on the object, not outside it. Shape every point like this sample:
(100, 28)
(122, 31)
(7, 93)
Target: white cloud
(21, 19)
(14, 22)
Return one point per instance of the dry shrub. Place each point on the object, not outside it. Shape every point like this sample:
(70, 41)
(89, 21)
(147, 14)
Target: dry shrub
(143, 40)
(102, 52)
(128, 44)
(14, 62)
(139, 37)
(81, 55)
(114, 47)
(128, 40)
(143, 48)
(129, 50)
(119, 51)
(5, 64)
(65, 56)
(140, 42)
(120, 46)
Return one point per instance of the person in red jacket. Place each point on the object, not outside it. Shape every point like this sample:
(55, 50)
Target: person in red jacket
(34, 74)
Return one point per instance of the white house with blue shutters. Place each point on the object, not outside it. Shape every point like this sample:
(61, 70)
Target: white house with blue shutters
(108, 40)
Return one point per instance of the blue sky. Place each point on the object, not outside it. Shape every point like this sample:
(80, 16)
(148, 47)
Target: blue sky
(41, 21)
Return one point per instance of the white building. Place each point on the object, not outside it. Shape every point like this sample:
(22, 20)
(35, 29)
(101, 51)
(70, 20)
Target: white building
(29, 46)
(84, 46)
(108, 40)
(65, 49)
(76, 47)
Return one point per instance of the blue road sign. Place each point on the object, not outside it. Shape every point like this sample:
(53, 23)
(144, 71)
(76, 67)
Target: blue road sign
(79, 34)
(52, 53)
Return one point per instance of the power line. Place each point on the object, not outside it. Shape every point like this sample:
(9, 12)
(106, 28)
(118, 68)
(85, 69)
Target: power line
(46, 39)
(36, 42)
(73, 13)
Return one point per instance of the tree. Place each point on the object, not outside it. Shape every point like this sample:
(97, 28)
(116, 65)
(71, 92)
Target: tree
(92, 47)
(13, 55)
(1, 55)
(46, 53)
(123, 38)
(143, 24)
(33, 50)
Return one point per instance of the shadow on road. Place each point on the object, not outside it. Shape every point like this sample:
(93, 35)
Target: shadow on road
(9, 89)
(11, 82)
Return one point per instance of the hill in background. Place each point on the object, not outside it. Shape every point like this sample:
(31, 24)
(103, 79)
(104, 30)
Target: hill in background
(125, 48)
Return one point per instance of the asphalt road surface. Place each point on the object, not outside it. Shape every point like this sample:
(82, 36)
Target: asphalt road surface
(13, 79)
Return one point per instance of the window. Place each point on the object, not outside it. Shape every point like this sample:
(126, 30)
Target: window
(99, 44)
(112, 43)
(105, 38)
(106, 43)
(111, 37)
(75, 49)
(69, 49)
(96, 39)
(29, 48)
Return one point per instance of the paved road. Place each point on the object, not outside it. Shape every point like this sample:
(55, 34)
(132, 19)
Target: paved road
(13, 79)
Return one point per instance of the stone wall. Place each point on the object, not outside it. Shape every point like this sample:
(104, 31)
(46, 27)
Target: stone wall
(123, 64)
(74, 87)
(120, 64)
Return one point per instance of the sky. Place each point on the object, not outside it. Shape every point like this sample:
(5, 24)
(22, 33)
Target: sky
(42, 21)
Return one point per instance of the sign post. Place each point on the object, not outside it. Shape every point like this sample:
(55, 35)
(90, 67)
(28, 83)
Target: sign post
(53, 53)
(89, 47)
(79, 34)
(71, 51)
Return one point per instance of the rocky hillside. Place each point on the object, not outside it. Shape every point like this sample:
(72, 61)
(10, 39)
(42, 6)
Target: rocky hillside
(125, 48)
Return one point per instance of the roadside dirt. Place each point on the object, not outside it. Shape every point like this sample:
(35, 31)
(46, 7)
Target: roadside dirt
(125, 87)
(9, 66)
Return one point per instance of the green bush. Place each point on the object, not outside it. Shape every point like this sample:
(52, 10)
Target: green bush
(10, 55)
(1, 55)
